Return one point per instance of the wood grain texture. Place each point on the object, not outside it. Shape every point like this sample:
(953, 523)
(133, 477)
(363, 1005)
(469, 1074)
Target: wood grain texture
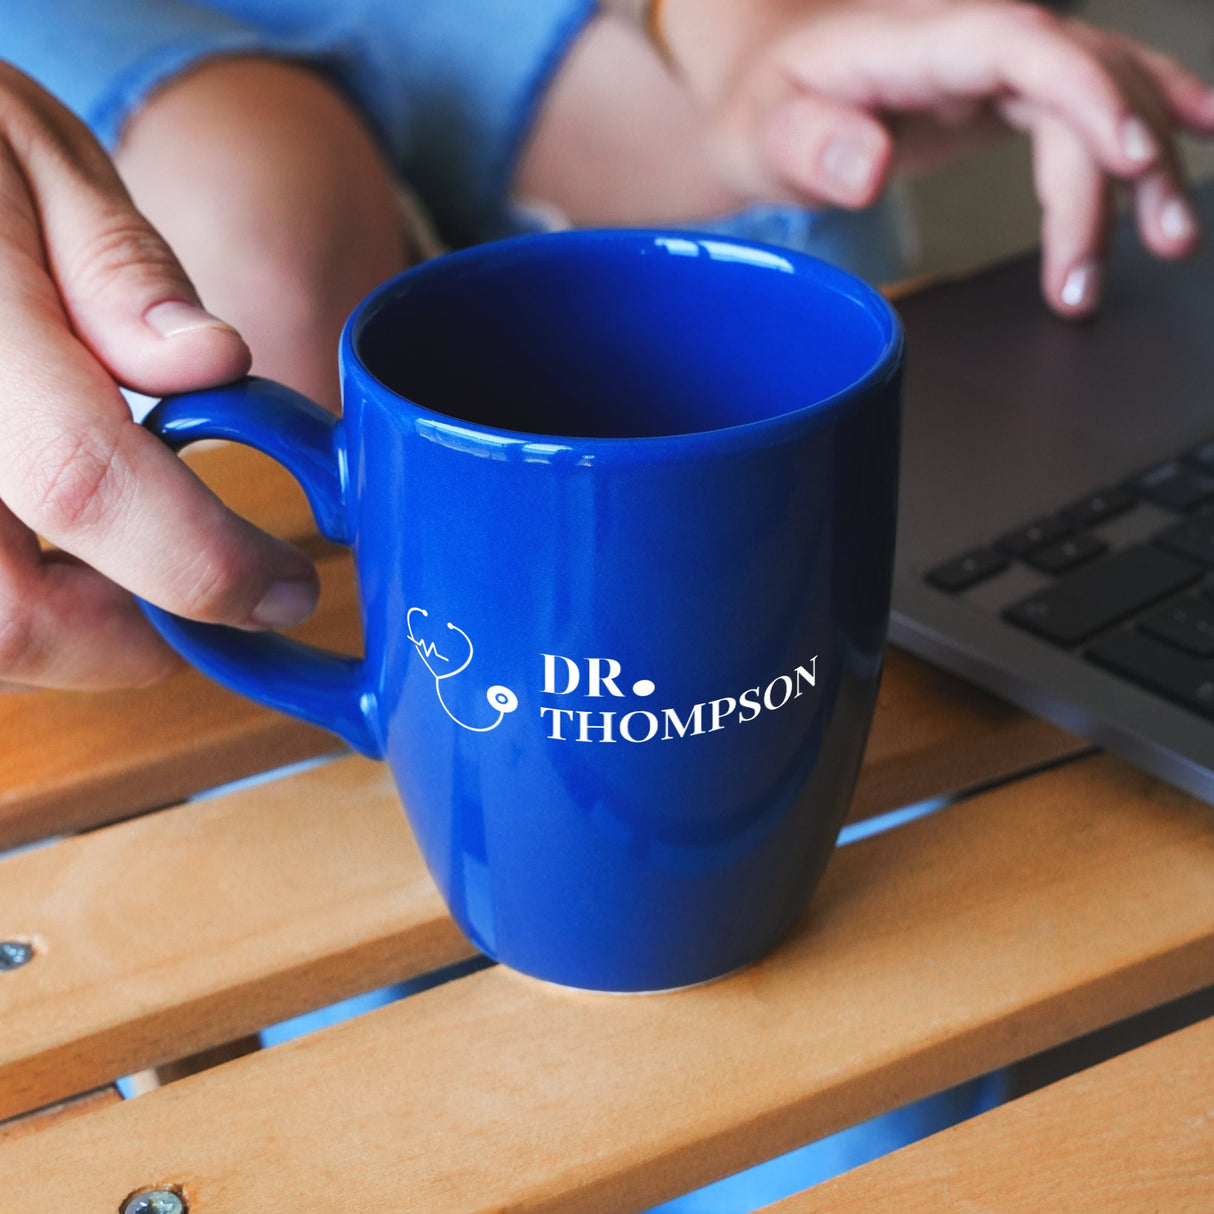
(992, 929)
(183, 930)
(71, 760)
(1134, 1134)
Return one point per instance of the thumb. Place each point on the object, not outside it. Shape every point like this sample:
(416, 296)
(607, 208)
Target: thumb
(827, 151)
(126, 295)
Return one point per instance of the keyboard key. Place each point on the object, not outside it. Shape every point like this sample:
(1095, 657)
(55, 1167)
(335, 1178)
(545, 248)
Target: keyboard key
(1188, 625)
(1100, 506)
(1067, 554)
(1078, 606)
(1176, 487)
(1034, 535)
(968, 570)
(1172, 674)
(1193, 539)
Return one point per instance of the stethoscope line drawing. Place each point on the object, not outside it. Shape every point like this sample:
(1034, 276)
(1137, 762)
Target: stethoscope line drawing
(500, 698)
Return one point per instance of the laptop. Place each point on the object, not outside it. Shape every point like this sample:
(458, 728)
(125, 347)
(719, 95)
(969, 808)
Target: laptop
(1056, 526)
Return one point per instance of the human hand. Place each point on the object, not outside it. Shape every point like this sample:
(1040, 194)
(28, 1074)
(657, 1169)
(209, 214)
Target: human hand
(91, 297)
(821, 100)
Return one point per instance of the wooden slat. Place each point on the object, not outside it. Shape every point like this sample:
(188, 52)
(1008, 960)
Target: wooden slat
(954, 944)
(186, 929)
(933, 735)
(1134, 1134)
(72, 761)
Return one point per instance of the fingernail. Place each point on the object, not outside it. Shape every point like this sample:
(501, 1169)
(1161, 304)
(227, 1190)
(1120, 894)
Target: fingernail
(1137, 141)
(849, 163)
(176, 316)
(1082, 286)
(286, 602)
(1176, 220)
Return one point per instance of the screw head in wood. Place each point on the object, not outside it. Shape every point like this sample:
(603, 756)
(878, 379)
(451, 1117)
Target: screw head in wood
(14, 954)
(154, 1201)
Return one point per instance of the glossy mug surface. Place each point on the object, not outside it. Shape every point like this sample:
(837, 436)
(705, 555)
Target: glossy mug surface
(622, 508)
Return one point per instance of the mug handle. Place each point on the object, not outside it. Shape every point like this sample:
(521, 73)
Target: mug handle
(327, 689)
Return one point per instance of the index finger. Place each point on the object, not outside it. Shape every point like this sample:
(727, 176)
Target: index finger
(909, 60)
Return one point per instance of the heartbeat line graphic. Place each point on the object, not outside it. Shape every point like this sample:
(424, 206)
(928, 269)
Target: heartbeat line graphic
(428, 649)
(500, 698)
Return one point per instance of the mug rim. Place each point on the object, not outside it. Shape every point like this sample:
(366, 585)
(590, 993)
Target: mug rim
(880, 372)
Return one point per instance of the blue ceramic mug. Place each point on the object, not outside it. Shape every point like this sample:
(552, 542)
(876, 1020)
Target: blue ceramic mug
(622, 509)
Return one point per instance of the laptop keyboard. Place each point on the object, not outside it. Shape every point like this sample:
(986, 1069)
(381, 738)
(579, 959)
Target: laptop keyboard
(1145, 611)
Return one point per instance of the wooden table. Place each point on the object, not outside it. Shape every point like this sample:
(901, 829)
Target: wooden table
(1059, 892)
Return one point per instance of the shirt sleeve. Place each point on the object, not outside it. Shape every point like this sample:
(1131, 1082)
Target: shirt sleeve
(451, 87)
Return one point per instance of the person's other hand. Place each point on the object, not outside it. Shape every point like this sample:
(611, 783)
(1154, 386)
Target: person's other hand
(90, 298)
(820, 100)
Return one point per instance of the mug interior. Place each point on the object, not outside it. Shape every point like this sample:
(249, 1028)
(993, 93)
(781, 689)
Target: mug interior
(623, 334)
